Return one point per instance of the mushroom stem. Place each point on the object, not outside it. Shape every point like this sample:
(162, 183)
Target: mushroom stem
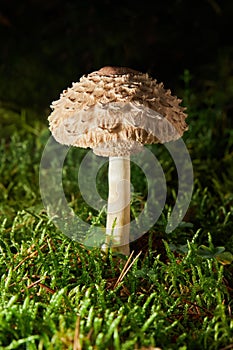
(118, 211)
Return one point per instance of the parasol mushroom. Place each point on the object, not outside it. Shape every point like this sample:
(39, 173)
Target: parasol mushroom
(115, 111)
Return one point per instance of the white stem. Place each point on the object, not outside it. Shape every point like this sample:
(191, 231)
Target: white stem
(118, 212)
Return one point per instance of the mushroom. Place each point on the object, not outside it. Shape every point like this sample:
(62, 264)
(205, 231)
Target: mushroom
(115, 111)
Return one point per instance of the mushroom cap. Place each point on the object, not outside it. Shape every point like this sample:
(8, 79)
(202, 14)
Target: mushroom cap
(115, 111)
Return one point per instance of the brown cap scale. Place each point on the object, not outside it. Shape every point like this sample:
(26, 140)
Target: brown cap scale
(115, 111)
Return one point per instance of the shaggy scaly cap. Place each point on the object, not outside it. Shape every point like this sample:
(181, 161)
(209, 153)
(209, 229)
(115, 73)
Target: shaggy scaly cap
(115, 111)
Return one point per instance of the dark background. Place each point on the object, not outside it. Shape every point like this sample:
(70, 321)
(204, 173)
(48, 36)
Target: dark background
(45, 45)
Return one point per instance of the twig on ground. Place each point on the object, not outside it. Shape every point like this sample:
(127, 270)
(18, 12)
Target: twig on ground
(126, 268)
(76, 343)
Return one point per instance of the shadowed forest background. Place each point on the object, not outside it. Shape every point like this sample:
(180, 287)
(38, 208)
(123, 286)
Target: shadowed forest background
(45, 45)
